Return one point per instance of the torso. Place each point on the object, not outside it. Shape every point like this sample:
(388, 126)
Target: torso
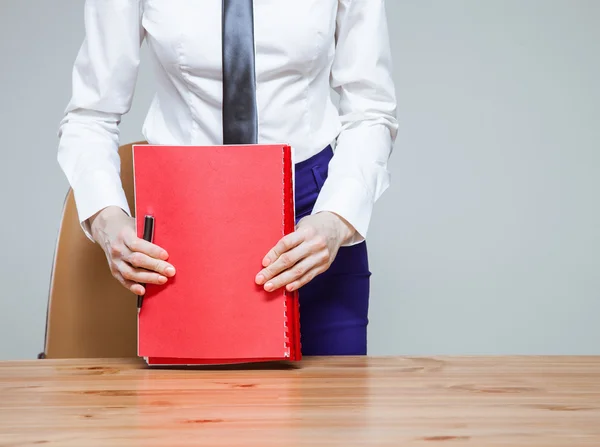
(295, 47)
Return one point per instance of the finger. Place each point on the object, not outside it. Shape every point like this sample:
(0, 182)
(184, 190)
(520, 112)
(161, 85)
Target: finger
(306, 278)
(136, 244)
(140, 275)
(294, 273)
(136, 288)
(143, 261)
(283, 262)
(285, 244)
(133, 287)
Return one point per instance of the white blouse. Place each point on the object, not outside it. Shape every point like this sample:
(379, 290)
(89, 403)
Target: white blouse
(304, 48)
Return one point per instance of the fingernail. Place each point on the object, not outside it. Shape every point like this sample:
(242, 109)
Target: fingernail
(162, 279)
(170, 271)
(260, 279)
(289, 287)
(268, 286)
(266, 262)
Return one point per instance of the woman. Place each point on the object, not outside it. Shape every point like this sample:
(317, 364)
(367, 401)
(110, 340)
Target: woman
(303, 49)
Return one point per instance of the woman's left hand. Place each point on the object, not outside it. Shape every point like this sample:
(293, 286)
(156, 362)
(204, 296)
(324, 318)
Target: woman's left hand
(307, 252)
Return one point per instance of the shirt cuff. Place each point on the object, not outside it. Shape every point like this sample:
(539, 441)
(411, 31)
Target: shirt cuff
(95, 191)
(348, 198)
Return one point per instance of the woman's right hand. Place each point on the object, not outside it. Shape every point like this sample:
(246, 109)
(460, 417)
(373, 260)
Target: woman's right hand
(132, 260)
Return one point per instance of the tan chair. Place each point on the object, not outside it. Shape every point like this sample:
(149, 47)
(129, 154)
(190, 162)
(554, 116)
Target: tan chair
(90, 314)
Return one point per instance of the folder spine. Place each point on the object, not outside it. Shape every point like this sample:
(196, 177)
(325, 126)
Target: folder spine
(285, 230)
(291, 310)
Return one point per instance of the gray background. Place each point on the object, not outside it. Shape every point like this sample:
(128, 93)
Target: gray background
(488, 241)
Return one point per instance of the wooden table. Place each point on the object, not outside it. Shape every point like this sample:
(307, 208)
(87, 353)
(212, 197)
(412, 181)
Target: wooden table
(475, 401)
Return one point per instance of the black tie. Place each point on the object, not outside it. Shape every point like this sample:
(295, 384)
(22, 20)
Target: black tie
(240, 125)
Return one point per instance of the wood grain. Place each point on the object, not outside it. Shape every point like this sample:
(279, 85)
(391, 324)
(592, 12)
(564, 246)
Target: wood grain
(445, 401)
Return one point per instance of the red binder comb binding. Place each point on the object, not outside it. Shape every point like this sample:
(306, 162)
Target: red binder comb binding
(217, 210)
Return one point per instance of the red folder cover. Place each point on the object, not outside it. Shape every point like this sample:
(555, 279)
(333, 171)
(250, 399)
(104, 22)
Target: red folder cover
(217, 211)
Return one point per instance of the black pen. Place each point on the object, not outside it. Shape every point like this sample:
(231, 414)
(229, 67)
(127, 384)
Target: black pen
(148, 236)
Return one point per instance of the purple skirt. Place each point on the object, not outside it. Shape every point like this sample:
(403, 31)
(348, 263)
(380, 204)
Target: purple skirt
(334, 305)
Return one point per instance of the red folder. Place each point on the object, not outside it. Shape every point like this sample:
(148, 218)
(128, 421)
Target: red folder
(217, 211)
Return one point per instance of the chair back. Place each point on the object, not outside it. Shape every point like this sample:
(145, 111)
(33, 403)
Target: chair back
(90, 314)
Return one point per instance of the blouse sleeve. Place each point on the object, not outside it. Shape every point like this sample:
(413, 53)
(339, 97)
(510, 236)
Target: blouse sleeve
(103, 82)
(361, 75)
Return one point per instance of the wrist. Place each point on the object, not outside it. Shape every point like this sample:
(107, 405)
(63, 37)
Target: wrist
(102, 217)
(346, 230)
